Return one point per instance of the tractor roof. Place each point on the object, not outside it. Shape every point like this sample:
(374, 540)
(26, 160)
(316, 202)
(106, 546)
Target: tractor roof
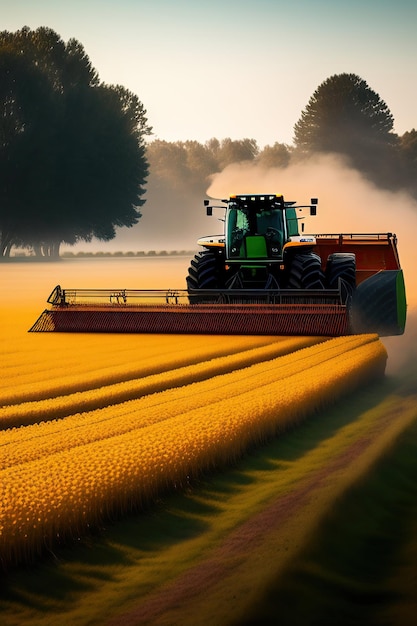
(259, 201)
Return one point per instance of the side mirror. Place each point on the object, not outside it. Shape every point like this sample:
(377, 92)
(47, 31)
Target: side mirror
(313, 210)
(209, 210)
(206, 202)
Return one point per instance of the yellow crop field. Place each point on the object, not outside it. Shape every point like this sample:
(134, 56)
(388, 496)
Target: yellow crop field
(95, 426)
(108, 426)
(61, 476)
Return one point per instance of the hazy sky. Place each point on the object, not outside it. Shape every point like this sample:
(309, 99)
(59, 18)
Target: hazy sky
(236, 68)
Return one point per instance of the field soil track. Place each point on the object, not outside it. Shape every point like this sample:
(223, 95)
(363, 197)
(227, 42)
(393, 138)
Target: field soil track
(219, 589)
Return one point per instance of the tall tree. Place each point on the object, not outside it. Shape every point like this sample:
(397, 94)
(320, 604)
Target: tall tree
(72, 149)
(344, 115)
(22, 88)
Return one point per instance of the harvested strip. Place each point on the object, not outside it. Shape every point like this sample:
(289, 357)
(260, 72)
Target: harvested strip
(225, 583)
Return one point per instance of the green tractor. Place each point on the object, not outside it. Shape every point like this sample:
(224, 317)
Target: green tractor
(262, 249)
(261, 277)
(263, 257)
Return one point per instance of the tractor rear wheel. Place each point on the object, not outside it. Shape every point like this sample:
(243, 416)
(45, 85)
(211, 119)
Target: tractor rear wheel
(341, 272)
(305, 272)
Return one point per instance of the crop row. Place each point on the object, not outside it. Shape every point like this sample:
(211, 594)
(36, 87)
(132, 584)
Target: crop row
(54, 355)
(66, 369)
(139, 385)
(40, 439)
(83, 475)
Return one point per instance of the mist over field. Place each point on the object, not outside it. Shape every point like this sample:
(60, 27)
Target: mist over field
(28, 285)
(171, 220)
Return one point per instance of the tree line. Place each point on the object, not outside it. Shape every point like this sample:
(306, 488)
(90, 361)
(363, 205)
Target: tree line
(76, 156)
(344, 116)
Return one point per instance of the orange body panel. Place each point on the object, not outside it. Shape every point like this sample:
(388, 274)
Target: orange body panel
(373, 252)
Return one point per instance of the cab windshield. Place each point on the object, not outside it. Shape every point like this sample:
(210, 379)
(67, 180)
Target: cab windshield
(251, 223)
(243, 222)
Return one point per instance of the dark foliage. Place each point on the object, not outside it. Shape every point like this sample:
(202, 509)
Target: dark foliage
(342, 114)
(72, 151)
(345, 116)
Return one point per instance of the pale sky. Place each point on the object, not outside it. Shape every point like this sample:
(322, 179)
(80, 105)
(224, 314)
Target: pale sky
(236, 68)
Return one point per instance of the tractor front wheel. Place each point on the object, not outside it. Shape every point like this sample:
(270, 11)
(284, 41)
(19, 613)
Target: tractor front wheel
(203, 273)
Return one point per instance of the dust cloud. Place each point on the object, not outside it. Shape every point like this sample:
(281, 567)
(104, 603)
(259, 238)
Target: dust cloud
(172, 219)
(348, 203)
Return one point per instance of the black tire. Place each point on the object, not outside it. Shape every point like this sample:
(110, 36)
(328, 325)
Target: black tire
(305, 272)
(341, 266)
(203, 273)
(379, 305)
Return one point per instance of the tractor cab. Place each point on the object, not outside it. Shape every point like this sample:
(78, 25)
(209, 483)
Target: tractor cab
(260, 236)
(254, 228)
(258, 226)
